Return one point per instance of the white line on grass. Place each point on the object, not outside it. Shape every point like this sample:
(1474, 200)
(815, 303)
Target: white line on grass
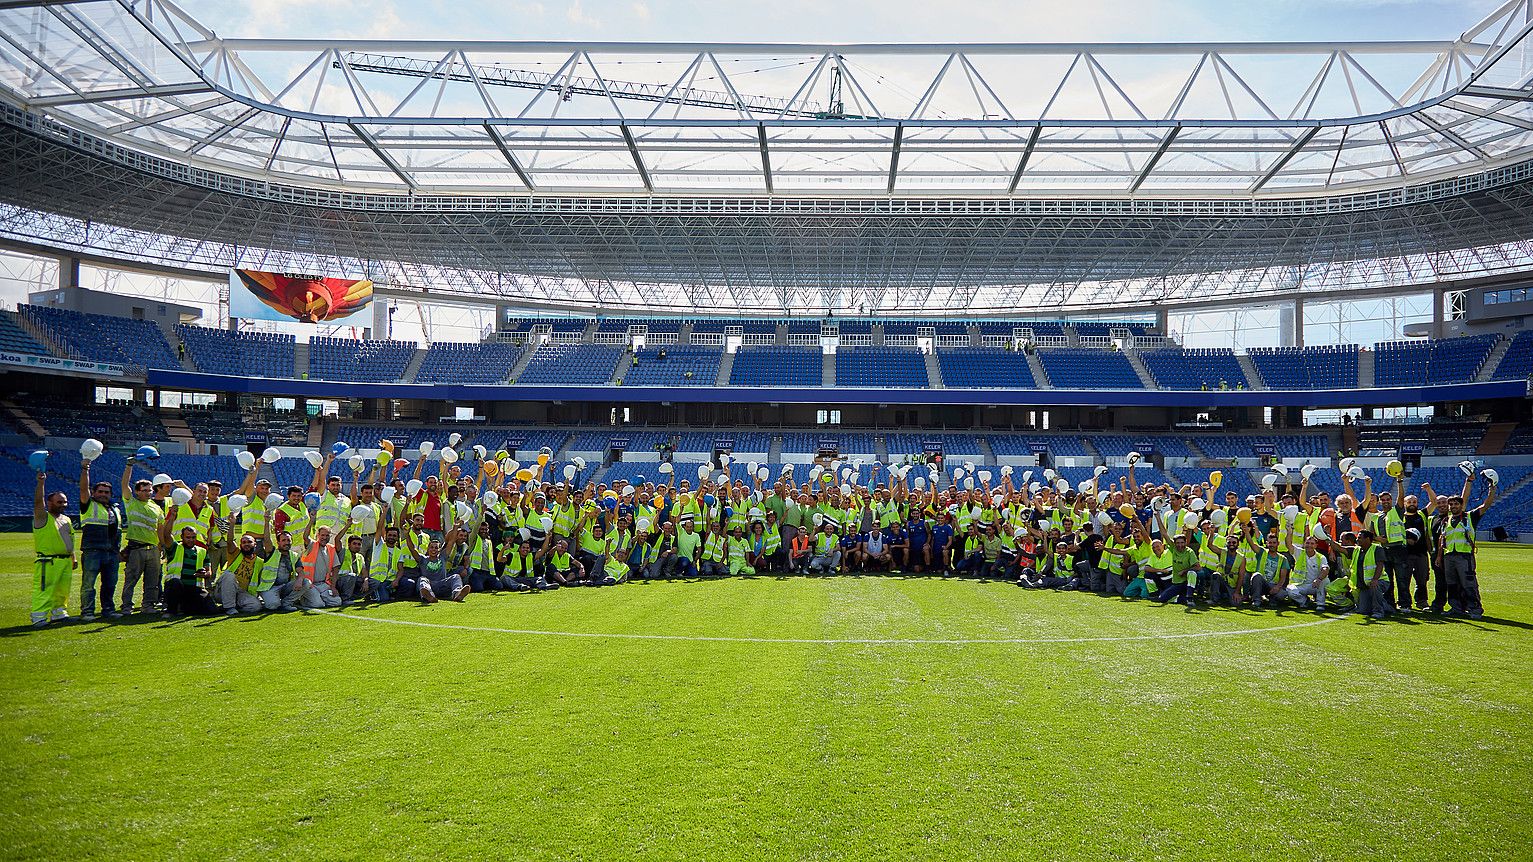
(861, 641)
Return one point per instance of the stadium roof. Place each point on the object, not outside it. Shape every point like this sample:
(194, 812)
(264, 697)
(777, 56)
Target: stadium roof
(891, 176)
(489, 117)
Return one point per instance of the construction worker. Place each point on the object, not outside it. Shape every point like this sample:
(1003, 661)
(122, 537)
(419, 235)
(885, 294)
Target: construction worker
(1456, 551)
(145, 519)
(100, 546)
(53, 537)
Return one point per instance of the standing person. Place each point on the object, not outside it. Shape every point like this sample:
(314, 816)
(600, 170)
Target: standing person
(1415, 548)
(142, 555)
(53, 538)
(100, 546)
(1456, 552)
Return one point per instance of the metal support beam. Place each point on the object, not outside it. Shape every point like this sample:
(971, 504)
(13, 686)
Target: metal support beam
(1284, 159)
(155, 92)
(1487, 92)
(638, 160)
(1027, 153)
(1165, 144)
(382, 155)
(894, 157)
(766, 157)
(510, 157)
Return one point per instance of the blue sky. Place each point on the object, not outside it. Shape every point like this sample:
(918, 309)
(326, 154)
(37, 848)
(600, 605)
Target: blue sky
(846, 20)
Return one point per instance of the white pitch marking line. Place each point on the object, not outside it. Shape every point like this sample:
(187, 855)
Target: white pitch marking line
(829, 641)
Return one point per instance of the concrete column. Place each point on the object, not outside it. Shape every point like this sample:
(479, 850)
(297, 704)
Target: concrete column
(1439, 297)
(69, 272)
(381, 318)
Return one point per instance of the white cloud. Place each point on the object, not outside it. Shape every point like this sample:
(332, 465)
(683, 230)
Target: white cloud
(641, 11)
(577, 15)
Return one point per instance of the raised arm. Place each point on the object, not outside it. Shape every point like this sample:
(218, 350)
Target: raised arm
(318, 482)
(39, 506)
(84, 481)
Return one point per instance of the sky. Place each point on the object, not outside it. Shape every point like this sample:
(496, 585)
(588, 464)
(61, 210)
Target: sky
(845, 20)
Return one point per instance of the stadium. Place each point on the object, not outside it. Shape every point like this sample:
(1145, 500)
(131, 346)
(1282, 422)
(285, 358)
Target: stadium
(982, 449)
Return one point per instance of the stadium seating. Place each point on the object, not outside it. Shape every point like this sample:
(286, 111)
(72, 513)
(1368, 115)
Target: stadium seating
(704, 441)
(1288, 447)
(777, 365)
(1119, 445)
(985, 368)
(881, 367)
(1070, 368)
(16, 339)
(571, 364)
(1211, 368)
(1416, 363)
(103, 337)
(675, 365)
(1435, 438)
(240, 354)
(1329, 367)
(1021, 445)
(485, 362)
(362, 361)
(1517, 364)
(961, 445)
(113, 423)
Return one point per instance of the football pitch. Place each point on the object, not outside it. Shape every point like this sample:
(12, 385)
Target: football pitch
(771, 718)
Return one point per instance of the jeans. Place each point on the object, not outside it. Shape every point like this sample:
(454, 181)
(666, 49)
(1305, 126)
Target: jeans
(1138, 588)
(143, 564)
(826, 562)
(1462, 583)
(1411, 568)
(232, 598)
(95, 562)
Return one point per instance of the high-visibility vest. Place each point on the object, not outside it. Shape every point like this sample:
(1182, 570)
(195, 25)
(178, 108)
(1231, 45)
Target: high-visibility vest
(49, 542)
(713, 548)
(265, 576)
(297, 520)
(101, 523)
(200, 522)
(176, 567)
(1394, 526)
(144, 519)
(1114, 562)
(311, 558)
(1366, 564)
(218, 520)
(519, 565)
(385, 563)
(771, 542)
(1458, 534)
(481, 555)
(253, 518)
(564, 518)
(1064, 565)
(332, 511)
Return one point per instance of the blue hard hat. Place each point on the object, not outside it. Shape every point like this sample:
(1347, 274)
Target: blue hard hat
(709, 499)
(311, 500)
(338, 448)
(146, 453)
(38, 460)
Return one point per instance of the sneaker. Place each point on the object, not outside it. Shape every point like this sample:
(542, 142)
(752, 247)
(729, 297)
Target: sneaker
(116, 615)
(460, 592)
(87, 618)
(40, 624)
(1475, 615)
(60, 615)
(232, 611)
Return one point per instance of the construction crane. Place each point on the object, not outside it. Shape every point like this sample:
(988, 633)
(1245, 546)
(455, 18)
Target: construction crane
(567, 86)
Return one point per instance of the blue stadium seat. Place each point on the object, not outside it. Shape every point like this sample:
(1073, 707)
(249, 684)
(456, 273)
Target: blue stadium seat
(680, 365)
(985, 368)
(240, 354)
(881, 366)
(1517, 364)
(572, 364)
(484, 362)
(16, 339)
(1211, 368)
(103, 337)
(362, 361)
(1088, 369)
(1331, 366)
(777, 365)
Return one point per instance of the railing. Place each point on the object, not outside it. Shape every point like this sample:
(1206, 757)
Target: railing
(953, 341)
(709, 339)
(856, 339)
(1096, 341)
(803, 339)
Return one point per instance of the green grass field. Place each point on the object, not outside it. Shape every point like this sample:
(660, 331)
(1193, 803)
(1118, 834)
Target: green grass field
(1104, 729)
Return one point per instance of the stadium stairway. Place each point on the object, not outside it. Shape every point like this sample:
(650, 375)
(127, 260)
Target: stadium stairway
(624, 363)
(1253, 376)
(881, 449)
(414, 365)
(1493, 361)
(1040, 376)
(1494, 441)
(726, 363)
(934, 371)
(774, 449)
(1365, 369)
(1196, 450)
(37, 333)
(301, 360)
(522, 363)
(177, 429)
(1349, 438)
(1138, 365)
(1091, 448)
(985, 451)
(828, 370)
(20, 419)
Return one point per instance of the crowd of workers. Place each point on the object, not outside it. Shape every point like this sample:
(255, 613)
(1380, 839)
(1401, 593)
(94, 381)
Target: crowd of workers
(483, 523)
